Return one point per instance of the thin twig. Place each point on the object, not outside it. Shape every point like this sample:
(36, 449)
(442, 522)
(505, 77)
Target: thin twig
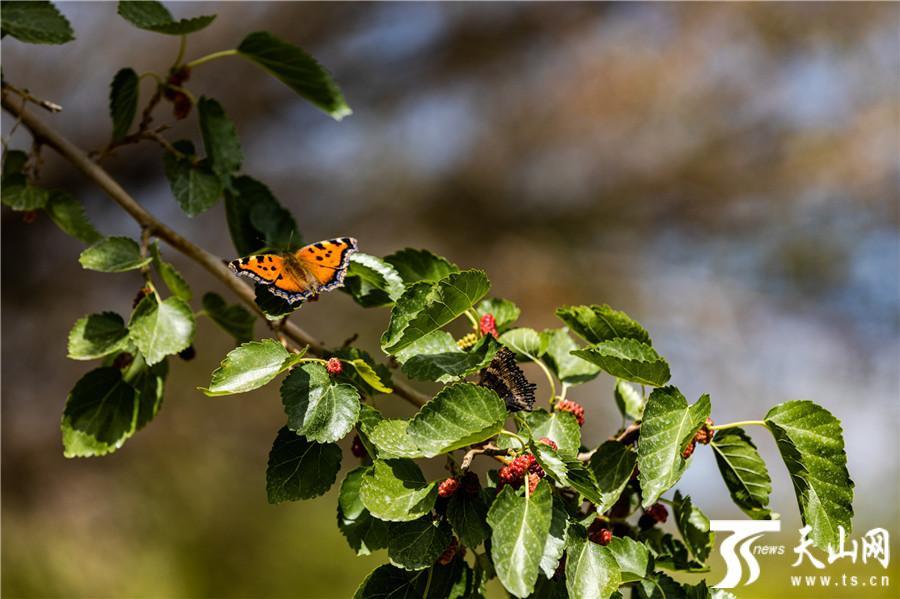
(490, 450)
(211, 263)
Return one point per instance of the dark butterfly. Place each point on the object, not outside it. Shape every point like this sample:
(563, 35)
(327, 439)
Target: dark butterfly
(505, 377)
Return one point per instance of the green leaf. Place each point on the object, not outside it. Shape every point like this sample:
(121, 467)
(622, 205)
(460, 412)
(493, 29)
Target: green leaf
(97, 335)
(560, 427)
(14, 162)
(811, 443)
(424, 308)
(420, 265)
(367, 373)
(20, 195)
(396, 491)
(525, 342)
(451, 365)
(153, 16)
(693, 526)
(300, 469)
(633, 558)
(296, 69)
(194, 184)
(392, 440)
(468, 515)
(220, 139)
(591, 570)
(581, 478)
(123, 101)
(69, 215)
(35, 22)
(316, 407)
(100, 414)
(149, 384)
(504, 311)
(567, 368)
(256, 220)
(368, 419)
(363, 532)
(601, 323)
(555, 545)
(371, 281)
(520, 526)
(171, 277)
(250, 366)
(113, 254)
(391, 582)
(458, 416)
(628, 359)
(613, 464)
(417, 544)
(160, 329)
(743, 471)
(234, 319)
(629, 401)
(668, 427)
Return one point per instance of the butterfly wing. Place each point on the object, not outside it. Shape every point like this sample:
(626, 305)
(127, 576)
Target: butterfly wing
(327, 261)
(269, 270)
(505, 377)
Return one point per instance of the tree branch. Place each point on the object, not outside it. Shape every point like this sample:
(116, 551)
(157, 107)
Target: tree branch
(213, 264)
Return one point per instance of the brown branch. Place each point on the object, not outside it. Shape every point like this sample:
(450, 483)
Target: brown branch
(490, 450)
(213, 264)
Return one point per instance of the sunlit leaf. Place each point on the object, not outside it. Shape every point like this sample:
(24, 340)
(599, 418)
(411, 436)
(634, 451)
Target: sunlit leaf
(744, 472)
(811, 442)
(113, 254)
(160, 329)
(316, 406)
(628, 359)
(601, 323)
(669, 425)
(396, 491)
(250, 366)
(458, 416)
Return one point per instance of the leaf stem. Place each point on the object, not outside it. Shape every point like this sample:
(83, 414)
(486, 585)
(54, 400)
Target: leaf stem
(210, 57)
(549, 376)
(182, 46)
(721, 427)
(473, 318)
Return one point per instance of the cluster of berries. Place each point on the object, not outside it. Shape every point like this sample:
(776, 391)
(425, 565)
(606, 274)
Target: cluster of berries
(468, 483)
(180, 101)
(704, 436)
(570, 406)
(488, 325)
(522, 466)
(656, 513)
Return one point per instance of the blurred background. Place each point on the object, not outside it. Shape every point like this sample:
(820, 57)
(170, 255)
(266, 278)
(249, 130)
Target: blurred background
(726, 174)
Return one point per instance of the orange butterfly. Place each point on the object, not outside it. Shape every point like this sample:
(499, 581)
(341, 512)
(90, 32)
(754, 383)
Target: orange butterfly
(302, 274)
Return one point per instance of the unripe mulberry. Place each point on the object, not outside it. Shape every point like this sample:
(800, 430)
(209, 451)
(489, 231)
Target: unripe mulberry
(467, 341)
(689, 450)
(570, 406)
(448, 487)
(704, 435)
(449, 553)
(658, 512)
(488, 325)
(533, 480)
(334, 366)
(550, 442)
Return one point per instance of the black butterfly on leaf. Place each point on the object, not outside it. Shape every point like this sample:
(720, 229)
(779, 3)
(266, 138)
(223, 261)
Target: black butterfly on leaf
(505, 377)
